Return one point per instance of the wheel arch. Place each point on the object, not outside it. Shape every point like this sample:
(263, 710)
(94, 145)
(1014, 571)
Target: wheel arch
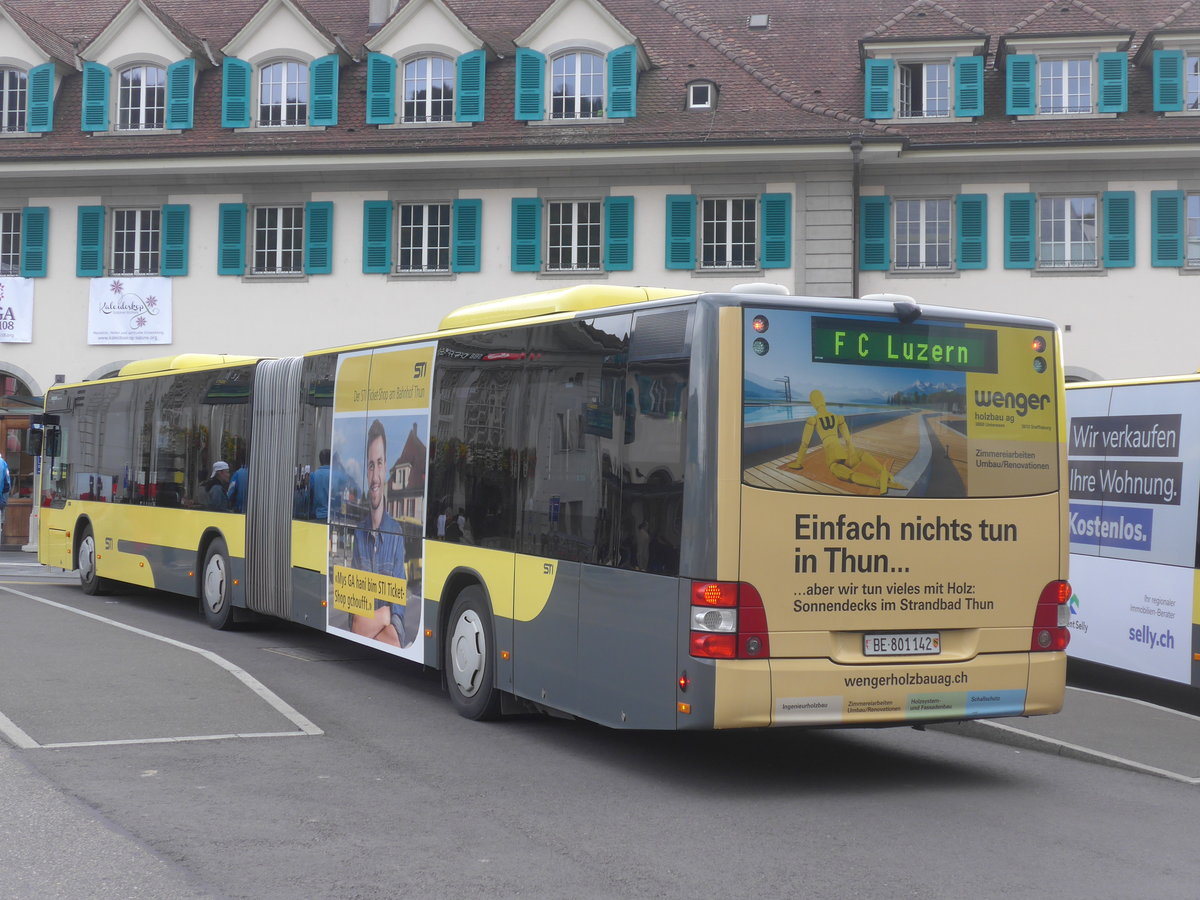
(456, 582)
(210, 534)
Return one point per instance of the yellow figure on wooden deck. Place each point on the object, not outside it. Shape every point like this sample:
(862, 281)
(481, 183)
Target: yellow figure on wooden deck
(842, 457)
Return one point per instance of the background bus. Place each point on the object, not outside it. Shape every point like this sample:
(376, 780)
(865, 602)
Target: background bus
(677, 510)
(1134, 464)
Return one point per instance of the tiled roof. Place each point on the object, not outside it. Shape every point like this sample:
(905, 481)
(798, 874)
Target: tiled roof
(798, 81)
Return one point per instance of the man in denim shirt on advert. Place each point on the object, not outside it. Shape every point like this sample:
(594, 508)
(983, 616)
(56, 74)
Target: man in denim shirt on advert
(379, 548)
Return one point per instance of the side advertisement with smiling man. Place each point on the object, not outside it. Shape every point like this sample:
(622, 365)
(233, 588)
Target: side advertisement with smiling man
(380, 437)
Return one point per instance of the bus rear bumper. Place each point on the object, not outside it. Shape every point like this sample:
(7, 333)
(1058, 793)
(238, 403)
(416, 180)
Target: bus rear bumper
(818, 692)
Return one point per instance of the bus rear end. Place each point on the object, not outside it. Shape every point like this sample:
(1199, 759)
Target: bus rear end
(897, 552)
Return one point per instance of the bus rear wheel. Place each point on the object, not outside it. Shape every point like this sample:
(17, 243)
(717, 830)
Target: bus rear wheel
(470, 657)
(85, 560)
(216, 595)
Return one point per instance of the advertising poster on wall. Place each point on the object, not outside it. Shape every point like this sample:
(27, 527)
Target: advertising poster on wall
(16, 310)
(1134, 476)
(129, 311)
(380, 446)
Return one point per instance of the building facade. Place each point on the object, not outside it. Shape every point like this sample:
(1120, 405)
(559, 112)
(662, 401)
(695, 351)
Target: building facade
(266, 177)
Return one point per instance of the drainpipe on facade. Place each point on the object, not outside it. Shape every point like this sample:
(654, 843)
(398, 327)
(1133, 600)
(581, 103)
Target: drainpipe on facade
(855, 184)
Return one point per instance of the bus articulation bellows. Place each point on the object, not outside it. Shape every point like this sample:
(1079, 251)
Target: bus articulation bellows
(649, 508)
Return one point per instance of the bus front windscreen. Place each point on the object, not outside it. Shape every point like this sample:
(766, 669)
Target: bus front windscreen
(847, 404)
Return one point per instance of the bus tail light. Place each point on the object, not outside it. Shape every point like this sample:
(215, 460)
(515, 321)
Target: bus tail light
(1050, 619)
(728, 621)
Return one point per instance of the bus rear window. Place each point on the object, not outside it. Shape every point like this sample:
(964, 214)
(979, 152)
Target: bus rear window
(867, 405)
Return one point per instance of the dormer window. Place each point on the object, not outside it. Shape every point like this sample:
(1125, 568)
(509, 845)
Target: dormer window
(142, 98)
(283, 94)
(13, 97)
(700, 95)
(1072, 75)
(924, 89)
(429, 89)
(577, 86)
(1177, 77)
(1064, 86)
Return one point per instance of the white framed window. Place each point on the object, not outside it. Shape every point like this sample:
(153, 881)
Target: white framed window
(728, 233)
(278, 240)
(141, 98)
(574, 238)
(923, 238)
(700, 95)
(136, 241)
(283, 94)
(924, 89)
(429, 89)
(1064, 86)
(577, 86)
(423, 237)
(10, 243)
(1192, 230)
(1068, 236)
(14, 95)
(1191, 77)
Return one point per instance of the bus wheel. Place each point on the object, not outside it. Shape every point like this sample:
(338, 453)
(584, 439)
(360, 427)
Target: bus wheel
(470, 657)
(215, 586)
(86, 562)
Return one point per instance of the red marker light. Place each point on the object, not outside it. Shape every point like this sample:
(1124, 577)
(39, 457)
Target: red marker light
(1039, 344)
(760, 324)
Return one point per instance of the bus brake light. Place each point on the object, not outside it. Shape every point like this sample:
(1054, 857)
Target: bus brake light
(1050, 618)
(728, 621)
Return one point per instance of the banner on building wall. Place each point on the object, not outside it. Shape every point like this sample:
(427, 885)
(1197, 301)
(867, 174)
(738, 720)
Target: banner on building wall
(16, 310)
(129, 311)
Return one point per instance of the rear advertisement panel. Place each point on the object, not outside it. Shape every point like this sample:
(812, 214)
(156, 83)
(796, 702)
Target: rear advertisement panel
(1134, 477)
(901, 514)
(376, 543)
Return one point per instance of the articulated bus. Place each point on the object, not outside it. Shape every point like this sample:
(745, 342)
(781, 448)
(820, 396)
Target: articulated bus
(649, 508)
(1134, 466)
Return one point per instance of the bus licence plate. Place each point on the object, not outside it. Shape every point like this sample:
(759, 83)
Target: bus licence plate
(924, 643)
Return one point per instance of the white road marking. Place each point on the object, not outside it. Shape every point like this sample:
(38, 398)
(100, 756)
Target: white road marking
(19, 738)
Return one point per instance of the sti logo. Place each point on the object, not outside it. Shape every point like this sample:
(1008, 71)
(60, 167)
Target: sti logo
(419, 370)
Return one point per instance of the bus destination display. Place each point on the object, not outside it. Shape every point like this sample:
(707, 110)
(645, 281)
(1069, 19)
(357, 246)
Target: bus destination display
(866, 343)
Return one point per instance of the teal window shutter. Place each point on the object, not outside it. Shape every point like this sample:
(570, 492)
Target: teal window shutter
(231, 239)
(622, 83)
(1020, 232)
(175, 228)
(468, 232)
(181, 81)
(1166, 228)
(874, 233)
(531, 80)
(94, 113)
(1168, 80)
(1020, 78)
(377, 236)
(879, 97)
(318, 238)
(618, 234)
(681, 231)
(89, 244)
(526, 234)
(236, 75)
(1114, 83)
(35, 241)
(776, 231)
(970, 215)
(1119, 248)
(470, 72)
(968, 85)
(39, 100)
(323, 82)
(381, 89)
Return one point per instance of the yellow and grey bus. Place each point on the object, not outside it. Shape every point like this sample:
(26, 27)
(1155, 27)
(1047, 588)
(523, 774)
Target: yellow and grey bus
(648, 508)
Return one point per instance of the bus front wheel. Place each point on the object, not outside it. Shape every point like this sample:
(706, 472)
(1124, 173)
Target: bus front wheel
(216, 586)
(85, 560)
(470, 657)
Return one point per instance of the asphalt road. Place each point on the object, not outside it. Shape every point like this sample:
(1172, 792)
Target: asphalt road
(164, 759)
